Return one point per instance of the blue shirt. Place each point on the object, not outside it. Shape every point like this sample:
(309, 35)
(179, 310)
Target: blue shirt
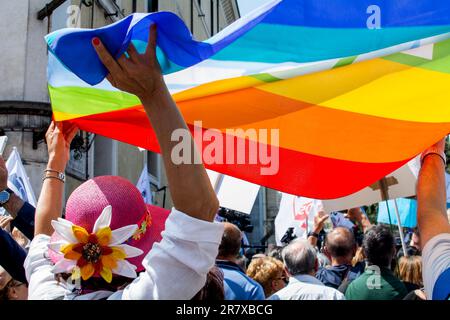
(237, 285)
(332, 276)
(12, 255)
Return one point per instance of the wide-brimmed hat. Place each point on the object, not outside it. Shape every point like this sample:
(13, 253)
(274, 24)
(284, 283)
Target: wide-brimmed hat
(106, 222)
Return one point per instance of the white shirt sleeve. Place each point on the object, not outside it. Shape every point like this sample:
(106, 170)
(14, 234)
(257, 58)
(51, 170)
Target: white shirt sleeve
(435, 260)
(42, 284)
(176, 268)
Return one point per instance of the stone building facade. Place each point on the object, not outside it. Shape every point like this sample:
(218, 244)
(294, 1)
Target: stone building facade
(24, 103)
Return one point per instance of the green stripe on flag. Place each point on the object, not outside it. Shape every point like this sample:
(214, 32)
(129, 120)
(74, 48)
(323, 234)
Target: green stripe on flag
(440, 62)
(345, 62)
(87, 101)
(265, 77)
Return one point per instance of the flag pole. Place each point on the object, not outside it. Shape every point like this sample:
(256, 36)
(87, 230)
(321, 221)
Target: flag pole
(385, 197)
(402, 238)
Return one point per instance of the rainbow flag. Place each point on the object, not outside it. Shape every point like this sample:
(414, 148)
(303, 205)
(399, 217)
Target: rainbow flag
(354, 88)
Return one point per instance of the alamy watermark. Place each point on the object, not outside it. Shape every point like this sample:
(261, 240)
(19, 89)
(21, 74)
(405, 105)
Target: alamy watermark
(374, 280)
(232, 146)
(374, 20)
(73, 16)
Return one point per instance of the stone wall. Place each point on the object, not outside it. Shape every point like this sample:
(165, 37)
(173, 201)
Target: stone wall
(25, 123)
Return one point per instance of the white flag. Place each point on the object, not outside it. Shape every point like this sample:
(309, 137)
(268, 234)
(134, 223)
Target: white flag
(143, 186)
(298, 213)
(18, 180)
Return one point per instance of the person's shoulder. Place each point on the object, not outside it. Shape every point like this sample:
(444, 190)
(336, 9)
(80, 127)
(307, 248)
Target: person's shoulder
(328, 290)
(257, 286)
(321, 271)
(394, 283)
(360, 279)
(439, 244)
(258, 292)
(329, 277)
(335, 294)
(282, 294)
(354, 287)
(236, 275)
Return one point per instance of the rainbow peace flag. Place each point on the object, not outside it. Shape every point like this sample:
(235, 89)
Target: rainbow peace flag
(355, 88)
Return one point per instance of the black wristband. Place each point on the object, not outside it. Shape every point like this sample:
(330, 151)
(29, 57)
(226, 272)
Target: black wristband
(313, 234)
(8, 190)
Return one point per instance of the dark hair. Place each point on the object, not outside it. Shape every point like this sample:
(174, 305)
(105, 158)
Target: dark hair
(213, 289)
(379, 246)
(411, 251)
(276, 253)
(231, 241)
(96, 283)
(340, 242)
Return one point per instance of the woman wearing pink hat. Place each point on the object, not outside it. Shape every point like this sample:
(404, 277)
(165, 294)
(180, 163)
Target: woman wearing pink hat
(110, 244)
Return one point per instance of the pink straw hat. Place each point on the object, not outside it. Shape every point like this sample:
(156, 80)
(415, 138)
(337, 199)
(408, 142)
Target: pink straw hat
(87, 202)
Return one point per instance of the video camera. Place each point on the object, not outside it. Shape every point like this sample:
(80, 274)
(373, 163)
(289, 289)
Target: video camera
(288, 236)
(241, 220)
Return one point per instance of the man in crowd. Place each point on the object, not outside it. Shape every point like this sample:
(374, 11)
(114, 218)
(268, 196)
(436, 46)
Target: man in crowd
(377, 282)
(301, 265)
(238, 286)
(340, 246)
(433, 223)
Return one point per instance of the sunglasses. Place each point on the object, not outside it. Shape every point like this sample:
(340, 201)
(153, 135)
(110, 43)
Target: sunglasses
(14, 284)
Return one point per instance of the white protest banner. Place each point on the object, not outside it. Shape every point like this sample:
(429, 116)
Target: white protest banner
(18, 180)
(296, 212)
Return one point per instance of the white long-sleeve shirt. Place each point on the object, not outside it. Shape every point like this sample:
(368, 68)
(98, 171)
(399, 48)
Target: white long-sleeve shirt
(175, 268)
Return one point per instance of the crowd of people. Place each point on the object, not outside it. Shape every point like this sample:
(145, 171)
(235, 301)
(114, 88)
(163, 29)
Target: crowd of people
(111, 245)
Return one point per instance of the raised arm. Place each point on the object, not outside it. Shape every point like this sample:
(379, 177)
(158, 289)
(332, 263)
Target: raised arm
(319, 221)
(140, 75)
(431, 194)
(357, 216)
(49, 206)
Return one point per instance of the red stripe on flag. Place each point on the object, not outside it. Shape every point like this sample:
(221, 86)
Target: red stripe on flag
(299, 173)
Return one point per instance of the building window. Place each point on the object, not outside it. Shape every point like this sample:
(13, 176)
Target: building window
(152, 5)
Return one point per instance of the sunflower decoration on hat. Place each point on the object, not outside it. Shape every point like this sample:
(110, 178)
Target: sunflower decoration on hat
(100, 253)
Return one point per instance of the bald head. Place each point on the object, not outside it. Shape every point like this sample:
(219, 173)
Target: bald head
(340, 243)
(231, 242)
